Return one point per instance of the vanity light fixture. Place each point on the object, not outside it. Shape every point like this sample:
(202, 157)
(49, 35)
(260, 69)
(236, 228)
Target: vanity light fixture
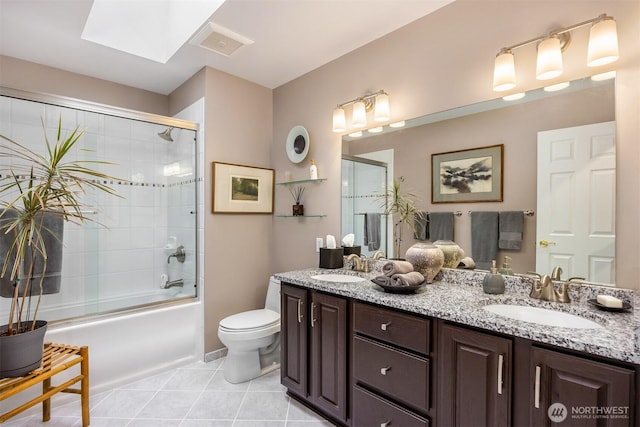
(603, 76)
(376, 129)
(357, 134)
(602, 50)
(359, 108)
(514, 96)
(399, 124)
(556, 87)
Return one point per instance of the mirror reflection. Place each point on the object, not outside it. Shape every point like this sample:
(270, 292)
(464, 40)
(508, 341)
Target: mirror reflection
(517, 125)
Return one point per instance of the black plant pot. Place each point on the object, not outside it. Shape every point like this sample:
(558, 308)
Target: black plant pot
(21, 353)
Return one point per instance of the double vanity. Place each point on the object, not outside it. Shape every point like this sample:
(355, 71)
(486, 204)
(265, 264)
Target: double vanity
(451, 355)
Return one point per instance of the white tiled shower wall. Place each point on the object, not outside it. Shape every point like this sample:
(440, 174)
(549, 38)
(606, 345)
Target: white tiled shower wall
(123, 253)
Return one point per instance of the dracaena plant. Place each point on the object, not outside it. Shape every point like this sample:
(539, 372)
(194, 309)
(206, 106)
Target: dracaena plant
(31, 186)
(402, 206)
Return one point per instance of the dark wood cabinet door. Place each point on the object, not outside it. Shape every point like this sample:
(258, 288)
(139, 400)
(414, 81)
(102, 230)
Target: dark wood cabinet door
(474, 379)
(329, 385)
(294, 355)
(581, 391)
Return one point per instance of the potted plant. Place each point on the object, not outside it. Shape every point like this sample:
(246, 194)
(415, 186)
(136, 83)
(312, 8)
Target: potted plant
(38, 192)
(297, 192)
(402, 206)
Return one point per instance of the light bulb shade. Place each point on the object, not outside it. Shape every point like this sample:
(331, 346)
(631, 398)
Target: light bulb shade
(382, 113)
(504, 71)
(339, 120)
(603, 43)
(549, 63)
(359, 115)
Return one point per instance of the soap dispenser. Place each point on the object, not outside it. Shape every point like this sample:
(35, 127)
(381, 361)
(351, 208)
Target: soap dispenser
(506, 268)
(313, 170)
(493, 283)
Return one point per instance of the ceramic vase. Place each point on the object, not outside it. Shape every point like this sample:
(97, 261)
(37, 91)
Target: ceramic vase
(452, 252)
(426, 258)
(298, 209)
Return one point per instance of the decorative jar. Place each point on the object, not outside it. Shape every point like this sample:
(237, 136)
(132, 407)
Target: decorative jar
(452, 252)
(426, 258)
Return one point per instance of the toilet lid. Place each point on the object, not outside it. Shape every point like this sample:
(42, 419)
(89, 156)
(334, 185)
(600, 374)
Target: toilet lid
(251, 319)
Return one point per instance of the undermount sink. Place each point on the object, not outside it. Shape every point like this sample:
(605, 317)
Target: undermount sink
(340, 278)
(541, 316)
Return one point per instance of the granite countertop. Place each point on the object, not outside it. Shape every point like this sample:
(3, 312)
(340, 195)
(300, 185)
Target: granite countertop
(457, 296)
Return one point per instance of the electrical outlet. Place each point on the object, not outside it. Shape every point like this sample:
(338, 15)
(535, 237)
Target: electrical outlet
(319, 243)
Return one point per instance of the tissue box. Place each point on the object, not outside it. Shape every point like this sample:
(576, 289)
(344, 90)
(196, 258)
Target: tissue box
(331, 258)
(348, 250)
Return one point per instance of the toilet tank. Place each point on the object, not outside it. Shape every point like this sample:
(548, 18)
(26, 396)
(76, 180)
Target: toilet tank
(273, 295)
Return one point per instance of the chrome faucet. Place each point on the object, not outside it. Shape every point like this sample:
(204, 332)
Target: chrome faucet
(171, 283)
(543, 289)
(359, 263)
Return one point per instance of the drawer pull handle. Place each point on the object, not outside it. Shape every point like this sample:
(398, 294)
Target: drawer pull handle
(385, 424)
(313, 313)
(537, 388)
(299, 311)
(384, 326)
(383, 371)
(500, 363)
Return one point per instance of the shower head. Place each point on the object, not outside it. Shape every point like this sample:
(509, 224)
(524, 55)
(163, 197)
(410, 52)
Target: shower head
(166, 134)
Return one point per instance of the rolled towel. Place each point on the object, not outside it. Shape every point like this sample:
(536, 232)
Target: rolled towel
(382, 280)
(397, 267)
(407, 279)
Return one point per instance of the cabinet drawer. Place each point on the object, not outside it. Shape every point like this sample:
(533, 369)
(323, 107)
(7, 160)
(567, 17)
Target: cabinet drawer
(400, 329)
(370, 410)
(397, 374)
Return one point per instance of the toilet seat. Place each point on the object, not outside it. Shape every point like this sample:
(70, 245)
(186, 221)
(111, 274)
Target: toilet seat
(250, 321)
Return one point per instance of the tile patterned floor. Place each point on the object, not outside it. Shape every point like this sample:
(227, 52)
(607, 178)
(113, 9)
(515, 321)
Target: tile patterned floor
(193, 396)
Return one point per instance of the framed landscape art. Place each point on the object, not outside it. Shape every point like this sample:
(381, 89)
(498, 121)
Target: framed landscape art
(242, 189)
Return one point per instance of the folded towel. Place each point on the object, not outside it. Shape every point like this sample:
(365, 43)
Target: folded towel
(421, 224)
(372, 231)
(484, 238)
(382, 280)
(511, 227)
(396, 267)
(440, 226)
(407, 279)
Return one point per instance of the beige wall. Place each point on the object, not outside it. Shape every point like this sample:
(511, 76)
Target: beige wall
(439, 62)
(32, 77)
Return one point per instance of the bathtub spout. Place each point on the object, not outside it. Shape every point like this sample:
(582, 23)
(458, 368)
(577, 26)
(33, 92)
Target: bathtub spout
(172, 283)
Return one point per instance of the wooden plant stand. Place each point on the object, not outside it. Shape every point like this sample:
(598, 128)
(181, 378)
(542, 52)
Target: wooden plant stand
(56, 359)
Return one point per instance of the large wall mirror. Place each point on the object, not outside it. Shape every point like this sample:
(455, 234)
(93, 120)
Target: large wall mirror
(517, 125)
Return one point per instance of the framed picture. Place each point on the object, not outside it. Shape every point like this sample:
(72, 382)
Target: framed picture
(242, 189)
(467, 175)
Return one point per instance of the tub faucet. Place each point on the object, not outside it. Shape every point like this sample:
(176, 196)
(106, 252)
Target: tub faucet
(359, 263)
(179, 254)
(171, 283)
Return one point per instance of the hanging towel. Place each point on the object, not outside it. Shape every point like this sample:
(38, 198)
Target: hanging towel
(421, 222)
(440, 226)
(511, 228)
(484, 238)
(372, 231)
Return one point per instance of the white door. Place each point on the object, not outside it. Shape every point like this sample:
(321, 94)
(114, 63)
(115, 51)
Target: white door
(576, 202)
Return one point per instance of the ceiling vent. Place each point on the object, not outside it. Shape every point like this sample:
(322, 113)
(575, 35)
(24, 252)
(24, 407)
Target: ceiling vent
(219, 39)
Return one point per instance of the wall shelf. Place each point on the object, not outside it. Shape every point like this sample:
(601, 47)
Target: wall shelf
(302, 181)
(302, 216)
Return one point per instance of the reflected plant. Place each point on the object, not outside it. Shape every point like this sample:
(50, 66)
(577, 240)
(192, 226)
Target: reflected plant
(402, 206)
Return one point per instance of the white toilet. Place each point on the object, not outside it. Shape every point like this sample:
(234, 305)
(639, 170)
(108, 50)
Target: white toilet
(252, 339)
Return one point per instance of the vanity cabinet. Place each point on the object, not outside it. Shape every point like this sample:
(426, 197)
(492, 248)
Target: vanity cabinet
(314, 349)
(474, 378)
(581, 385)
(391, 367)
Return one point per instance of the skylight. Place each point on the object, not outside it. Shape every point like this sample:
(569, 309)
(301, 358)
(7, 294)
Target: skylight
(152, 29)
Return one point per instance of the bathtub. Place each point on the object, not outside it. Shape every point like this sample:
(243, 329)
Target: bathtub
(127, 346)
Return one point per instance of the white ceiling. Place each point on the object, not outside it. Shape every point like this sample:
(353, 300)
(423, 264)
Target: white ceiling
(292, 37)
